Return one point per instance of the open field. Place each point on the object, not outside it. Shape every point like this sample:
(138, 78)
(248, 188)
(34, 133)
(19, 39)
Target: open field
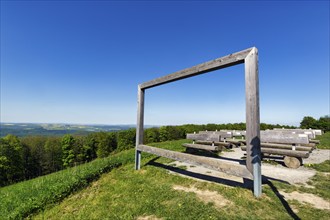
(158, 192)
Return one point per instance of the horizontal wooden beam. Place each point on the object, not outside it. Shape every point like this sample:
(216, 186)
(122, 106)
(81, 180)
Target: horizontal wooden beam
(222, 62)
(211, 163)
(286, 147)
(225, 144)
(291, 153)
(202, 147)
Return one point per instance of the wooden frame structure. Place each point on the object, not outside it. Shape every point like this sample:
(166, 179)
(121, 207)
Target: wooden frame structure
(253, 161)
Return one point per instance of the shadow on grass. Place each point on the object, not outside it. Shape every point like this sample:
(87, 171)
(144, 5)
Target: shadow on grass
(247, 183)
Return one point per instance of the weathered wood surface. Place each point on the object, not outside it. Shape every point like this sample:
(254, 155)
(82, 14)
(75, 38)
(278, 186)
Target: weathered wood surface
(224, 144)
(139, 127)
(292, 162)
(315, 132)
(285, 146)
(204, 137)
(309, 133)
(211, 163)
(223, 134)
(283, 138)
(222, 62)
(252, 109)
(203, 147)
(314, 141)
(284, 152)
(235, 133)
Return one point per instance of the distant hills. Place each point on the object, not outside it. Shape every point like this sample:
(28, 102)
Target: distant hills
(48, 129)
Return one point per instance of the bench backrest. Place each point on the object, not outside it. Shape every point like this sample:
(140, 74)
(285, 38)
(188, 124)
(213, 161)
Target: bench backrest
(283, 138)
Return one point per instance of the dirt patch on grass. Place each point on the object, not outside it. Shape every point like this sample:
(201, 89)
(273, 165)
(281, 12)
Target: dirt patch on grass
(149, 217)
(311, 199)
(206, 196)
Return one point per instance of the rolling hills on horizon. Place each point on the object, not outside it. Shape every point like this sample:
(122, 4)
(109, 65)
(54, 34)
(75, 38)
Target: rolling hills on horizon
(55, 129)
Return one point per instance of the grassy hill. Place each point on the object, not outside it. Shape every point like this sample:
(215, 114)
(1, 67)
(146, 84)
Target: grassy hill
(120, 192)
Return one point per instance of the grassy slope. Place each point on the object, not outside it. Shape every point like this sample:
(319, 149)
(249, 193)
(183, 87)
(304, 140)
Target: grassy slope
(21, 199)
(127, 194)
(324, 141)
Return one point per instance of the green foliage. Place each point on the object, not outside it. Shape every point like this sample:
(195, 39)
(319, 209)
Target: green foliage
(11, 160)
(125, 139)
(309, 122)
(106, 143)
(151, 135)
(171, 133)
(68, 155)
(324, 141)
(52, 156)
(324, 123)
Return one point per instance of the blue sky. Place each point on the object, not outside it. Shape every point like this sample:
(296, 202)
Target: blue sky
(81, 61)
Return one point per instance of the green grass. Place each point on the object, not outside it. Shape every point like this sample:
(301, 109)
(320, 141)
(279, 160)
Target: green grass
(321, 167)
(21, 199)
(124, 193)
(324, 141)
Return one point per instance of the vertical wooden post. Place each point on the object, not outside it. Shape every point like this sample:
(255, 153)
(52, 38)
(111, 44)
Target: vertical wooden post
(139, 127)
(253, 160)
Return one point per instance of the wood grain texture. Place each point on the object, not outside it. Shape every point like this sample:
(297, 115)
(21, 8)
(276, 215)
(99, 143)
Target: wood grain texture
(292, 162)
(202, 147)
(285, 147)
(222, 62)
(283, 152)
(224, 144)
(139, 127)
(230, 168)
(253, 154)
(204, 137)
(283, 138)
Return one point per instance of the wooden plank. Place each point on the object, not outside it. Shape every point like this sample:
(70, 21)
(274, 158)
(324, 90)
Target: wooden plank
(314, 141)
(285, 146)
(253, 158)
(219, 63)
(291, 153)
(211, 163)
(283, 138)
(204, 137)
(202, 147)
(224, 144)
(139, 127)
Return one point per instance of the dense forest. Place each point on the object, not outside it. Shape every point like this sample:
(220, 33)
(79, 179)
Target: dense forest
(23, 158)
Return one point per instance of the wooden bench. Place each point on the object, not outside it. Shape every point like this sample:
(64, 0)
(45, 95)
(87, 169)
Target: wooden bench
(208, 140)
(292, 158)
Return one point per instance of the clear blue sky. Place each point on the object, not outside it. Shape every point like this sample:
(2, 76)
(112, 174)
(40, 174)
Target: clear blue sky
(81, 61)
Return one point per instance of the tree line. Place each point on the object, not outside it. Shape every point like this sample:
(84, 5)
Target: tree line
(32, 156)
(322, 123)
